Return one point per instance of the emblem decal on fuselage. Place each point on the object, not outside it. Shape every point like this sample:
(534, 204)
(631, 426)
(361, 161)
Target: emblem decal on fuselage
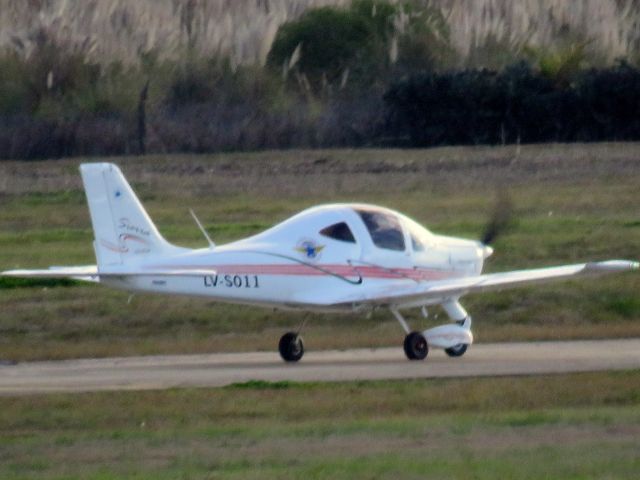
(309, 248)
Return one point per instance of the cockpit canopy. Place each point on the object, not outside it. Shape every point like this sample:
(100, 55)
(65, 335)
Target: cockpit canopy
(386, 229)
(359, 227)
(391, 230)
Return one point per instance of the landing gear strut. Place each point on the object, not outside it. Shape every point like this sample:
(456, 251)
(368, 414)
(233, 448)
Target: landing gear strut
(291, 347)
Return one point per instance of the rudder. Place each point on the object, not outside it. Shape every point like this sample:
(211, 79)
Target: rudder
(122, 228)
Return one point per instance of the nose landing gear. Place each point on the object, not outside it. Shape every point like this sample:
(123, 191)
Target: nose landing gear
(454, 338)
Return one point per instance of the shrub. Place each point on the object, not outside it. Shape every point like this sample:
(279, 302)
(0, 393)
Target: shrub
(517, 104)
(610, 102)
(359, 46)
(327, 41)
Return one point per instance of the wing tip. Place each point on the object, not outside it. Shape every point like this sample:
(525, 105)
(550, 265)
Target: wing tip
(13, 273)
(613, 266)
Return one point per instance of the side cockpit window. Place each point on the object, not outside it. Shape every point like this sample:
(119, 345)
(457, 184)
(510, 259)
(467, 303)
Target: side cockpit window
(417, 244)
(339, 231)
(384, 228)
(420, 236)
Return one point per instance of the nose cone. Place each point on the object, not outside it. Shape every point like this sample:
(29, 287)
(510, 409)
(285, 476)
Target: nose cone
(487, 251)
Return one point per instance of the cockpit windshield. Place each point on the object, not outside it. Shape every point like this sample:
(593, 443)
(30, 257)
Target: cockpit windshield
(420, 236)
(384, 228)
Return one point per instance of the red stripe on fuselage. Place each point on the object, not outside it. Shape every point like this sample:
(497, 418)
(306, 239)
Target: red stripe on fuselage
(320, 270)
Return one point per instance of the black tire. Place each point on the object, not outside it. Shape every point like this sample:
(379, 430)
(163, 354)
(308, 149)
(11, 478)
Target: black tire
(415, 346)
(291, 347)
(457, 350)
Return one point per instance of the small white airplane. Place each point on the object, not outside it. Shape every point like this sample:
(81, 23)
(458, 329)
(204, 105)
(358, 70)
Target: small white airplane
(339, 257)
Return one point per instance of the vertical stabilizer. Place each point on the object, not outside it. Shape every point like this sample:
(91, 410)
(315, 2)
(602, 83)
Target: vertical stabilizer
(122, 229)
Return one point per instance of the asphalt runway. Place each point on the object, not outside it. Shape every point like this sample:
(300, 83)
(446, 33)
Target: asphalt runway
(213, 370)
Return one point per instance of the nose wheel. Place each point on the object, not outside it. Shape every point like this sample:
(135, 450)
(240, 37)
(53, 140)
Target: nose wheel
(457, 350)
(291, 347)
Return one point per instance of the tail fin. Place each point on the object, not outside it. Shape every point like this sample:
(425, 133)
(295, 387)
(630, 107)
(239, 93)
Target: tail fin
(123, 231)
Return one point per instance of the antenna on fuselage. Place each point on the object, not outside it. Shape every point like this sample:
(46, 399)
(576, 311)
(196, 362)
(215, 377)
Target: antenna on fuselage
(212, 245)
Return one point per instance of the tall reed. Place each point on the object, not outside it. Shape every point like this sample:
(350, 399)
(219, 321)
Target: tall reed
(243, 30)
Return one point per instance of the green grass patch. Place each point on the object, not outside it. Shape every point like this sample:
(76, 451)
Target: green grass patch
(7, 283)
(622, 305)
(264, 385)
(63, 197)
(512, 427)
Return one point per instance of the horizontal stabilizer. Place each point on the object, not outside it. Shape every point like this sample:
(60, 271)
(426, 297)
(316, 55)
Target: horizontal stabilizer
(90, 273)
(86, 273)
(158, 273)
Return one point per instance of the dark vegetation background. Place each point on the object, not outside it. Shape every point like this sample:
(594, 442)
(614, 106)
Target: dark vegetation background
(371, 73)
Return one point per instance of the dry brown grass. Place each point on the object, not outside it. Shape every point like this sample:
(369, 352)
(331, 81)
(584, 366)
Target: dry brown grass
(244, 30)
(123, 30)
(611, 26)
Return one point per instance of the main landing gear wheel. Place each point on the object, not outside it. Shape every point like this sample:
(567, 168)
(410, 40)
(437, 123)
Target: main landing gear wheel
(415, 346)
(457, 350)
(291, 347)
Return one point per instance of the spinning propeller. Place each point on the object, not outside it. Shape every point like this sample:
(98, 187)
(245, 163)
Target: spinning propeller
(500, 219)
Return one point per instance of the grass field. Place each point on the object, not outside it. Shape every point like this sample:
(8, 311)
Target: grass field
(573, 203)
(575, 426)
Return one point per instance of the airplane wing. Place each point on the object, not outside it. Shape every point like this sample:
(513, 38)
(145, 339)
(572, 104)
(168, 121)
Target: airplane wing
(405, 295)
(90, 273)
